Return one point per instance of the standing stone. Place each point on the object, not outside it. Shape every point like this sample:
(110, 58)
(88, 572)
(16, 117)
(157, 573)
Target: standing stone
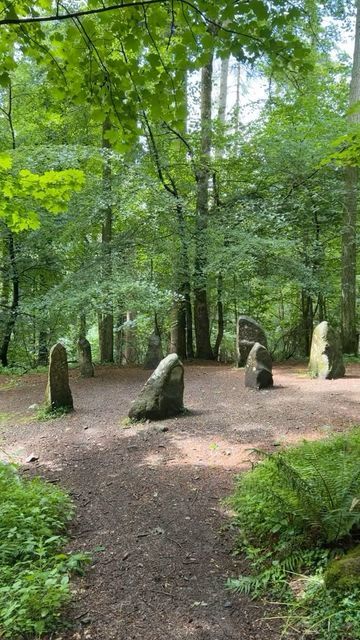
(85, 359)
(154, 353)
(326, 359)
(258, 370)
(248, 332)
(162, 394)
(58, 394)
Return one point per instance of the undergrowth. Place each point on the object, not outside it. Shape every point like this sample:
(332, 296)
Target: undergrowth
(46, 413)
(34, 572)
(295, 510)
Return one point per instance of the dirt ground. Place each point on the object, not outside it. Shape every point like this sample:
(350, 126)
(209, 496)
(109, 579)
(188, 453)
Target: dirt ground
(148, 500)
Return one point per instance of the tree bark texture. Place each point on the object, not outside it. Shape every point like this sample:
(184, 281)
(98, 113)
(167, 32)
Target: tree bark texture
(129, 349)
(219, 288)
(106, 320)
(14, 308)
(201, 314)
(348, 259)
(307, 321)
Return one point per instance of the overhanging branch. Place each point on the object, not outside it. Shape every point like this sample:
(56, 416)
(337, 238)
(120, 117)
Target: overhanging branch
(126, 5)
(77, 14)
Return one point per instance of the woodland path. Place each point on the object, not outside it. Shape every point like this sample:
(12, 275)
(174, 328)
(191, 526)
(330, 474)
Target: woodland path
(149, 502)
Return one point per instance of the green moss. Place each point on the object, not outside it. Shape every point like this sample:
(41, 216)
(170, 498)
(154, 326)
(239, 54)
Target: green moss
(344, 573)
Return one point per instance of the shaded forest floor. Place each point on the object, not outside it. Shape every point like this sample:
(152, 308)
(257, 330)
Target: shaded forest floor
(149, 501)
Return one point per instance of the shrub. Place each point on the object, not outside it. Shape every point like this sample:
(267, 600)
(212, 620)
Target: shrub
(295, 510)
(34, 574)
(325, 614)
(304, 497)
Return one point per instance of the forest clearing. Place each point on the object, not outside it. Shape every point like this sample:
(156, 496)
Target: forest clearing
(148, 500)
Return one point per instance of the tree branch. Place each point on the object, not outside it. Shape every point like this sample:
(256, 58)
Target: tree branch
(126, 5)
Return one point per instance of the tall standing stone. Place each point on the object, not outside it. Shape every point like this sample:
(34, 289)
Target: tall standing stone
(85, 359)
(154, 353)
(247, 333)
(163, 393)
(326, 360)
(58, 394)
(258, 370)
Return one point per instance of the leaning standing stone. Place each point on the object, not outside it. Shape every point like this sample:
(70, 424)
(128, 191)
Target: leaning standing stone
(248, 332)
(326, 360)
(258, 370)
(58, 394)
(162, 395)
(85, 359)
(154, 353)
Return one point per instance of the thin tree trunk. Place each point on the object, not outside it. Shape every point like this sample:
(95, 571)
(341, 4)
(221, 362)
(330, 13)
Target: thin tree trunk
(182, 331)
(224, 71)
(82, 325)
(43, 350)
(129, 352)
(14, 309)
(184, 337)
(106, 320)
(237, 99)
(201, 314)
(307, 320)
(219, 288)
(220, 316)
(348, 275)
(11, 250)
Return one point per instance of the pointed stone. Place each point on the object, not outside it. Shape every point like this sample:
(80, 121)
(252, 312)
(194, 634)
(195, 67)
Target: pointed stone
(258, 370)
(248, 332)
(85, 359)
(326, 359)
(162, 394)
(58, 394)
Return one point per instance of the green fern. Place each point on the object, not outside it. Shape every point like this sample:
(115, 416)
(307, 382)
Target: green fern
(306, 496)
(295, 510)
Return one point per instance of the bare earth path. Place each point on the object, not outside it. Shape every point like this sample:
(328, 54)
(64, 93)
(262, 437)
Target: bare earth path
(148, 501)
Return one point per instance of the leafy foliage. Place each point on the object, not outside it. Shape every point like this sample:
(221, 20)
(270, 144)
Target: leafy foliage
(51, 190)
(295, 509)
(34, 573)
(304, 496)
(323, 613)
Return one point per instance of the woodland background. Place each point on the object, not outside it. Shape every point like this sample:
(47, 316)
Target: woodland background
(166, 166)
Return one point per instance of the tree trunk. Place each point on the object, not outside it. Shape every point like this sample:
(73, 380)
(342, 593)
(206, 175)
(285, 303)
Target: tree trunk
(182, 331)
(348, 260)
(224, 70)
(220, 316)
(129, 352)
(82, 325)
(201, 314)
(14, 309)
(307, 320)
(43, 350)
(222, 118)
(237, 100)
(106, 320)
(9, 323)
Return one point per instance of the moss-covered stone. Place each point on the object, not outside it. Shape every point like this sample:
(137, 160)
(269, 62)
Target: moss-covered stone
(162, 395)
(326, 359)
(248, 332)
(345, 572)
(258, 370)
(58, 393)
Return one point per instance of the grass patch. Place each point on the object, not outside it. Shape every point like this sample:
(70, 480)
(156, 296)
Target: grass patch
(296, 510)
(10, 384)
(45, 413)
(5, 417)
(34, 572)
